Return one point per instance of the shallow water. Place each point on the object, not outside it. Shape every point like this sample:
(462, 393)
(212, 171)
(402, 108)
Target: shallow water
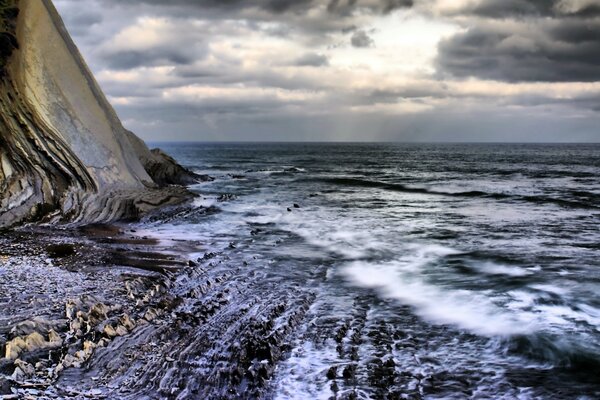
(437, 271)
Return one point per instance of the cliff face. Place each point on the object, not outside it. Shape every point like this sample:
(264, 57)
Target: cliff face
(64, 154)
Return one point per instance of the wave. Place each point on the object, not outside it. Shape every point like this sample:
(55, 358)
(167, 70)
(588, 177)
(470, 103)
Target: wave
(566, 352)
(405, 280)
(589, 201)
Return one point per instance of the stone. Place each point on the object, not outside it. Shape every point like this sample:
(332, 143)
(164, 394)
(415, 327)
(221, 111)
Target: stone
(18, 375)
(121, 330)
(332, 373)
(127, 322)
(27, 369)
(14, 348)
(54, 339)
(5, 386)
(60, 250)
(35, 341)
(110, 331)
(23, 328)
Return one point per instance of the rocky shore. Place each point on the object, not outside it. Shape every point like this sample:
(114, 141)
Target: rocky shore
(99, 311)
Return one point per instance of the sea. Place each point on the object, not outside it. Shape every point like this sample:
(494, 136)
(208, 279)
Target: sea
(434, 271)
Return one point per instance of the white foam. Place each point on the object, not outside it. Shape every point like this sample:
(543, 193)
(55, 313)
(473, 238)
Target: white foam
(405, 280)
(491, 268)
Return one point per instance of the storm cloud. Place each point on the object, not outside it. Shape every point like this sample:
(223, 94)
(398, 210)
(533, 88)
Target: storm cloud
(346, 69)
(516, 40)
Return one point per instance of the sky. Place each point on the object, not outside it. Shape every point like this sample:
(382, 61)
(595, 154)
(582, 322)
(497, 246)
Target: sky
(346, 70)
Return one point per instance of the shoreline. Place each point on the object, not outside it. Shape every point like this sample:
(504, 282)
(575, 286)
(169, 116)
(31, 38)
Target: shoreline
(100, 311)
(71, 292)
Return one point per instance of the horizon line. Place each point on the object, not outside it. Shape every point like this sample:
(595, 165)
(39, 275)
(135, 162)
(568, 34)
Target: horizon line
(359, 142)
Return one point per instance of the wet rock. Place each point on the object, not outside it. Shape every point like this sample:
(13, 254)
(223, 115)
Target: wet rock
(289, 209)
(226, 197)
(5, 386)
(332, 373)
(296, 205)
(60, 250)
(349, 372)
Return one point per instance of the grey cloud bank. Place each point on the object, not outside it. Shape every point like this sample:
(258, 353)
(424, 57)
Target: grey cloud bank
(487, 70)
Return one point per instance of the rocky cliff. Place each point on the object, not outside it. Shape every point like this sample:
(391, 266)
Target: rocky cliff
(64, 154)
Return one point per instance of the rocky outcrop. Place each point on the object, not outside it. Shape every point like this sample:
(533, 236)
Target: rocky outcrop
(64, 154)
(161, 167)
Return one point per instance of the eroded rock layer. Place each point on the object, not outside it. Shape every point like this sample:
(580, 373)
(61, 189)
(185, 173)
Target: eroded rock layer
(64, 153)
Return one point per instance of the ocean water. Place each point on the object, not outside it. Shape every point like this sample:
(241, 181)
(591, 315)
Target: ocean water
(435, 270)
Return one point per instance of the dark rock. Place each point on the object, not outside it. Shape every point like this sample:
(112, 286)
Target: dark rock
(226, 197)
(60, 250)
(332, 373)
(289, 209)
(164, 170)
(296, 205)
(349, 372)
(4, 386)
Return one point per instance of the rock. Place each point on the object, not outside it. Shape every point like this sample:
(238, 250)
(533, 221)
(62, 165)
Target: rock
(110, 331)
(98, 313)
(296, 205)
(121, 330)
(60, 250)
(27, 369)
(151, 314)
(332, 373)
(71, 309)
(54, 339)
(23, 328)
(35, 341)
(289, 209)
(226, 197)
(14, 348)
(4, 386)
(18, 375)
(127, 322)
(42, 365)
(164, 170)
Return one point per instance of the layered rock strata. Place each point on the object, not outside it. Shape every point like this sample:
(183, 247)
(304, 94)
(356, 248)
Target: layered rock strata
(64, 153)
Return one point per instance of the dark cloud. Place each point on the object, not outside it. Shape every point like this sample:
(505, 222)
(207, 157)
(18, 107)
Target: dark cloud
(361, 39)
(545, 50)
(529, 8)
(312, 60)
(281, 6)
(147, 58)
